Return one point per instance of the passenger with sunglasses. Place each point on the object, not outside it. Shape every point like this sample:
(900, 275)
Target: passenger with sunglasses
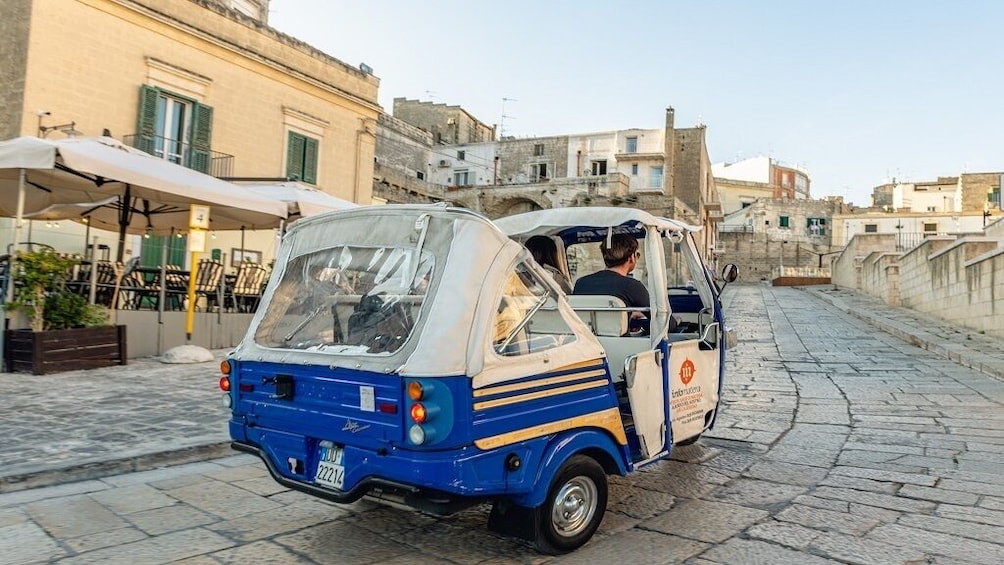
(620, 257)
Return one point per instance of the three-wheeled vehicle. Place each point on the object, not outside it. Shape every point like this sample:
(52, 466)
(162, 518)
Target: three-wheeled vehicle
(418, 355)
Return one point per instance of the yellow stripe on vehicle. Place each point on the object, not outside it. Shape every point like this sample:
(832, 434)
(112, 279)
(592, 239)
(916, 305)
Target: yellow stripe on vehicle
(538, 382)
(609, 420)
(580, 365)
(539, 394)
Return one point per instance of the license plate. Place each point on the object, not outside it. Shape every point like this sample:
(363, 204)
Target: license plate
(330, 471)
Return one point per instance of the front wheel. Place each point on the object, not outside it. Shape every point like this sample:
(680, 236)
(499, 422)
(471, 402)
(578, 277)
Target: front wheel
(574, 507)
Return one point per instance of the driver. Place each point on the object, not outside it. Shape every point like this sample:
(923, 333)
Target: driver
(620, 257)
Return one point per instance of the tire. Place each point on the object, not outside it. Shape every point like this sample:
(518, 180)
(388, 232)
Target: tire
(574, 507)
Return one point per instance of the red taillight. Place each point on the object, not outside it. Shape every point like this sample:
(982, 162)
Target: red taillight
(388, 408)
(225, 383)
(418, 413)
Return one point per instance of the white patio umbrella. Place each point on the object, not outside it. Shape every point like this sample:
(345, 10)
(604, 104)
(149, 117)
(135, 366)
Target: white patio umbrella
(153, 195)
(302, 199)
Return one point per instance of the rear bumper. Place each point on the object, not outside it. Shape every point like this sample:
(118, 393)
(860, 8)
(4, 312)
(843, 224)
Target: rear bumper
(425, 499)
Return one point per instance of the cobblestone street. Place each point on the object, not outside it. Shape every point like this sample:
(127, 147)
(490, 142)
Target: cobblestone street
(837, 443)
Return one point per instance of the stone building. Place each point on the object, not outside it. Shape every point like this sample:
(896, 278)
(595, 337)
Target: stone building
(451, 125)
(666, 171)
(742, 182)
(966, 193)
(772, 233)
(204, 83)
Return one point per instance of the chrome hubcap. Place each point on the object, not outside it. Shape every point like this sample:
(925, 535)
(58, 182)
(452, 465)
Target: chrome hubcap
(574, 506)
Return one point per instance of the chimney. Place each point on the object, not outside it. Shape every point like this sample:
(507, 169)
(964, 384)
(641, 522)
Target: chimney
(669, 150)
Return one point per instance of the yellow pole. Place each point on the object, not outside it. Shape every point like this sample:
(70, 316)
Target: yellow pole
(190, 317)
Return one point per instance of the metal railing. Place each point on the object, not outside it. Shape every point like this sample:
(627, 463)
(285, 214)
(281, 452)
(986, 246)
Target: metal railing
(183, 153)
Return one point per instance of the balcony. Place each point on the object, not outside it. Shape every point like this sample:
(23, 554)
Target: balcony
(206, 161)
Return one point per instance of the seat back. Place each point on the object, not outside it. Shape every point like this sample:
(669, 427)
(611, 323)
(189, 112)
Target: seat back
(250, 278)
(208, 276)
(598, 313)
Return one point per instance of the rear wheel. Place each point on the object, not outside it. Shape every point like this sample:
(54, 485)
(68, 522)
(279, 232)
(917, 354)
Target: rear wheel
(574, 507)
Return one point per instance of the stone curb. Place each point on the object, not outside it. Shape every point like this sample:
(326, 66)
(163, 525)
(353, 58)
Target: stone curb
(98, 469)
(959, 354)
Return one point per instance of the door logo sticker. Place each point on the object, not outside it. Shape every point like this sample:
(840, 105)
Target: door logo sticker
(687, 371)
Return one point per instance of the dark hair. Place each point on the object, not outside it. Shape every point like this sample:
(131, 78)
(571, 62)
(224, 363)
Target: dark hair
(543, 249)
(622, 247)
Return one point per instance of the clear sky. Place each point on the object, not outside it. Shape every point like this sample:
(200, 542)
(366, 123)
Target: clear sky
(855, 92)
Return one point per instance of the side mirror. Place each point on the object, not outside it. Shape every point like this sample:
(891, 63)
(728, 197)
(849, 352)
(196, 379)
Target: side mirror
(730, 273)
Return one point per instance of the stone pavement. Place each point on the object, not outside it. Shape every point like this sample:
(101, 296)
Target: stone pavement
(967, 347)
(84, 424)
(837, 443)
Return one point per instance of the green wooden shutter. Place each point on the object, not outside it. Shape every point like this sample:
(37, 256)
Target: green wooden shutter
(202, 129)
(294, 156)
(146, 122)
(310, 161)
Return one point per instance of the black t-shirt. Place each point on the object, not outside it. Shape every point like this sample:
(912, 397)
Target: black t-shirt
(608, 283)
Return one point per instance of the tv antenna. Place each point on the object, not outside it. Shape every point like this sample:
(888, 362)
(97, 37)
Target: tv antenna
(504, 116)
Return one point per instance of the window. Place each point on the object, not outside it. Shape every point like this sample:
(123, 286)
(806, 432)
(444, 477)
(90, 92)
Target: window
(871, 228)
(599, 167)
(462, 178)
(420, 175)
(931, 228)
(634, 169)
(301, 158)
(461, 155)
(174, 128)
(349, 300)
(631, 145)
(538, 149)
(782, 221)
(655, 177)
(538, 172)
(527, 319)
(745, 204)
(932, 208)
(994, 198)
(816, 226)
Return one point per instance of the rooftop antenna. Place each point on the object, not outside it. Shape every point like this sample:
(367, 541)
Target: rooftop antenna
(504, 116)
(430, 94)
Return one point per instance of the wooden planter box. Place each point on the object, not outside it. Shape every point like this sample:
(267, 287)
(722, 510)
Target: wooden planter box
(65, 350)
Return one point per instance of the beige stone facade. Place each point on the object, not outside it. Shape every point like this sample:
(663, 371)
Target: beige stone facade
(84, 61)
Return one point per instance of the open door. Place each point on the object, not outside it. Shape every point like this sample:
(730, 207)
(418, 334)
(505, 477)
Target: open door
(647, 394)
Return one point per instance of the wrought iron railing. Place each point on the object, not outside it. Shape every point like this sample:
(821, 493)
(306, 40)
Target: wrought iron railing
(183, 153)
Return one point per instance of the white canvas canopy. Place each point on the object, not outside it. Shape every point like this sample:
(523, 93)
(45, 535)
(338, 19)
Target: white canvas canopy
(301, 199)
(153, 195)
(592, 224)
(549, 222)
(452, 335)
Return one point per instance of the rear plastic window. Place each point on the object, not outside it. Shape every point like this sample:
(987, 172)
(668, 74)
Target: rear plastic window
(347, 300)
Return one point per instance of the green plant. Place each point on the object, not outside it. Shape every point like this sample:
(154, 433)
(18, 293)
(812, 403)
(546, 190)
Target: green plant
(65, 309)
(40, 292)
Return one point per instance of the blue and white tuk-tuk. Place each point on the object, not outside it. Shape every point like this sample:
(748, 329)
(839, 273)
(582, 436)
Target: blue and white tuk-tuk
(418, 355)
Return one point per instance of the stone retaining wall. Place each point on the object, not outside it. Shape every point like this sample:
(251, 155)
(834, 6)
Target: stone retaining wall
(959, 280)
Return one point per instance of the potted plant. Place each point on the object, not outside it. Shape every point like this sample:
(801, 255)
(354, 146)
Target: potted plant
(65, 332)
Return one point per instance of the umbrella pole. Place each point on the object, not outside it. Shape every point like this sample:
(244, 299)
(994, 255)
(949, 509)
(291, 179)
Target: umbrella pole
(242, 245)
(163, 277)
(124, 212)
(22, 179)
(87, 233)
(93, 292)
